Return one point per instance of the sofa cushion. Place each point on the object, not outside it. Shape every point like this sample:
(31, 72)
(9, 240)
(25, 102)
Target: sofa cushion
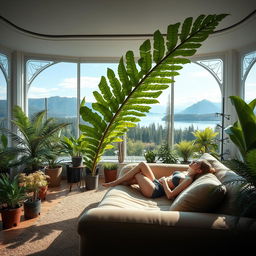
(203, 195)
(230, 179)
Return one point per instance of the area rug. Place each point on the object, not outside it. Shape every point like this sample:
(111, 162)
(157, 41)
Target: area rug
(55, 233)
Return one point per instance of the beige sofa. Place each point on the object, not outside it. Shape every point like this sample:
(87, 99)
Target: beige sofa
(201, 220)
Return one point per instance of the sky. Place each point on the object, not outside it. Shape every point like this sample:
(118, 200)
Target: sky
(192, 85)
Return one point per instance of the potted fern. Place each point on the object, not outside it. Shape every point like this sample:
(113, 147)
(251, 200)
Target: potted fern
(12, 196)
(110, 171)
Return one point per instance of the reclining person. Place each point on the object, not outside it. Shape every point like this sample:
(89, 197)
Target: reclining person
(170, 186)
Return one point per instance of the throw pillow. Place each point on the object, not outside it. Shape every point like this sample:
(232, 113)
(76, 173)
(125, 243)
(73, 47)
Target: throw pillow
(203, 195)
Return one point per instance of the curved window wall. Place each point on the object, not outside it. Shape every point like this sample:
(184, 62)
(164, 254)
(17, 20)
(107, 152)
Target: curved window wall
(55, 86)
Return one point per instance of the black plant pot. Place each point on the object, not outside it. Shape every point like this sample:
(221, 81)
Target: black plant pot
(32, 208)
(77, 161)
(74, 174)
(91, 181)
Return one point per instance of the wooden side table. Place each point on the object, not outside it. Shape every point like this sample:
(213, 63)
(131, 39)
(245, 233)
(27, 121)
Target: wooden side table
(74, 175)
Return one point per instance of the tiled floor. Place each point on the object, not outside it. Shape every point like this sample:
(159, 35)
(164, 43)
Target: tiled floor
(54, 195)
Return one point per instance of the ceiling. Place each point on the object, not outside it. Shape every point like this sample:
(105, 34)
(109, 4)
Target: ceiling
(92, 23)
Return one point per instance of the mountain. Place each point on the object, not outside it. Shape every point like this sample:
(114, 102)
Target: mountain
(202, 107)
(57, 106)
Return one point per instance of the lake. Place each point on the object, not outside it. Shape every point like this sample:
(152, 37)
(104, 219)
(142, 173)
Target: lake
(201, 125)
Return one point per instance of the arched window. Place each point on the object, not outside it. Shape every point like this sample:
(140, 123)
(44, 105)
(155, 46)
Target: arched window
(53, 87)
(3, 90)
(197, 99)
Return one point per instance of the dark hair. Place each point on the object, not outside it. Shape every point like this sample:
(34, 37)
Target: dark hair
(206, 167)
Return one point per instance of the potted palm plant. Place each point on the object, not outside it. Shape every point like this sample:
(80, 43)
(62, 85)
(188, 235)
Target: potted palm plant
(31, 139)
(11, 197)
(185, 150)
(110, 171)
(54, 168)
(32, 183)
(205, 141)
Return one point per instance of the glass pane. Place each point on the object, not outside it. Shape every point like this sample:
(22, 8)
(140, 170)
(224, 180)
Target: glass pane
(3, 100)
(197, 99)
(90, 77)
(55, 89)
(250, 85)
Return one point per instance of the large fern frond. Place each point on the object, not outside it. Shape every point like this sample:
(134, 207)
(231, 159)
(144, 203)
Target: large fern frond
(121, 101)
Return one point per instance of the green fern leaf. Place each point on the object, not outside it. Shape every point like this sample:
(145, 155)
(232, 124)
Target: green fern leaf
(90, 131)
(159, 48)
(145, 61)
(197, 23)
(131, 68)
(99, 98)
(103, 110)
(153, 87)
(131, 113)
(129, 97)
(128, 118)
(140, 94)
(115, 84)
(143, 101)
(93, 118)
(186, 28)
(137, 107)
(105, 90)
(124, 78)
(172, 36)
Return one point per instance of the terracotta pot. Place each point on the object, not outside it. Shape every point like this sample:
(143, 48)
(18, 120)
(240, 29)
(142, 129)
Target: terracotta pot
(55, 176)
(42, 193)
(32, 208)
(110, 175)
(11, 217)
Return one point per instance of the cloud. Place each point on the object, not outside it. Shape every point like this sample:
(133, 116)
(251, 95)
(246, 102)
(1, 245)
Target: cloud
(202, 73)
(250, 85)
(86, 82)
(39, 92)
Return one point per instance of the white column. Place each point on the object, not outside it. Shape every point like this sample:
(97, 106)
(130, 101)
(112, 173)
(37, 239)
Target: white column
(17, 80)
(231, 87)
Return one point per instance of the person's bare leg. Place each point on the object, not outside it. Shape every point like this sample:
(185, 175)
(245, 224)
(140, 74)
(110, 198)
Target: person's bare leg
(146, 184)
(129, 176)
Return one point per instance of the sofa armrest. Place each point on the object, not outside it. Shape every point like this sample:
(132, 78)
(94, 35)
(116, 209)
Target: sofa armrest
(158, 169)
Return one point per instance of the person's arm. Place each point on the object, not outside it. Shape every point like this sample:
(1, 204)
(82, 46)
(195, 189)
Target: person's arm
(173, 193)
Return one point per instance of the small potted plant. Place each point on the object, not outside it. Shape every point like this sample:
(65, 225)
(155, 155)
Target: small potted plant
(11, 197)
(75, 148)
(33, 182)
(54, 170)
(150, 156)
(110, 171)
